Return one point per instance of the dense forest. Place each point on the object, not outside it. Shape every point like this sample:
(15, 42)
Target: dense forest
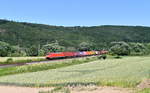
(26, 35)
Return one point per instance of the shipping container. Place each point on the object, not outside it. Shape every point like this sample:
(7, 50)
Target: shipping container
(68, 54)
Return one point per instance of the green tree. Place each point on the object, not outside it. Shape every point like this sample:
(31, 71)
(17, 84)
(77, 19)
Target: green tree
(17, 51)
(41, 52)
(5, 49)
(148, 47)
(53, 47)
(139, 49)
(120, 48)
(32, 51)
(85, 46)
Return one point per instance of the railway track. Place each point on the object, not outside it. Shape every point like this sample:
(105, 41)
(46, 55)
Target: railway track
(28, 63)
(37, 62)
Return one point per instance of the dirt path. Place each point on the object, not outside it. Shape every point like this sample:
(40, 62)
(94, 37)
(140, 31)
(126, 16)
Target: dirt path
(14, 89)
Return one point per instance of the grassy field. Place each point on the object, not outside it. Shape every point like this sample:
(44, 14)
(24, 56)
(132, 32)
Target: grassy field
(125, 72)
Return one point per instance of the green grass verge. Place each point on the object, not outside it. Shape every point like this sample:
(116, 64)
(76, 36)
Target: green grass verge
(14, 60)
(44, 66)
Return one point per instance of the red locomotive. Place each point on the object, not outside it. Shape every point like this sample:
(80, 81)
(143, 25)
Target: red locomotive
(74, 54)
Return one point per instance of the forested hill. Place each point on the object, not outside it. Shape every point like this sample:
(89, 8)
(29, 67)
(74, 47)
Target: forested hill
(27, 34)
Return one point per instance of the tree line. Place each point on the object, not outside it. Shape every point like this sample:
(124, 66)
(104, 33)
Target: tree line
(116, 48)
(15, 51)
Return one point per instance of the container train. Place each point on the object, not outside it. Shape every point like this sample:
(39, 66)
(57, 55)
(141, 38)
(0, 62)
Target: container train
(74, 54)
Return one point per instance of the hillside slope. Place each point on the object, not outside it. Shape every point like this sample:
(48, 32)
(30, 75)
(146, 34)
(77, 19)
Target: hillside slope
(27, 34)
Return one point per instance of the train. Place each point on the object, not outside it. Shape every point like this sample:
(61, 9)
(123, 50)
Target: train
(74, 54)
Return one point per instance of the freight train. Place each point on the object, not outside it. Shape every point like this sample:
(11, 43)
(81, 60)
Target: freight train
(74, 54)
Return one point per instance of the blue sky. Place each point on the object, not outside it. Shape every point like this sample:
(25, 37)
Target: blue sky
(77, 12)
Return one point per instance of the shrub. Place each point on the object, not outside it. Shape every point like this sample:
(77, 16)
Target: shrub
(118, 57)
(9, 60)
(102, 57)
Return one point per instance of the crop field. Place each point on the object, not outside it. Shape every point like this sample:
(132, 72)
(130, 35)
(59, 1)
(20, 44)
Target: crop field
(125, 72)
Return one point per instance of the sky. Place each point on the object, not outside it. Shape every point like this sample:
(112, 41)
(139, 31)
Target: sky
(77, 12)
